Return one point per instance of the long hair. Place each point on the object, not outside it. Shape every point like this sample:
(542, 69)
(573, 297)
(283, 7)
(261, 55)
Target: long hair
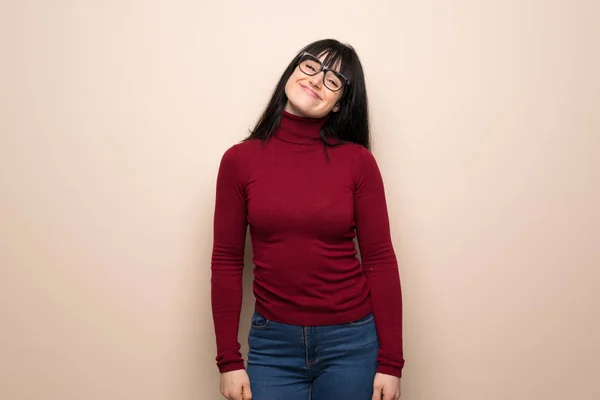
(350, 123)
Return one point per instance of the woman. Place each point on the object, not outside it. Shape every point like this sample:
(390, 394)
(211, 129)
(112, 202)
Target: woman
(326, 325)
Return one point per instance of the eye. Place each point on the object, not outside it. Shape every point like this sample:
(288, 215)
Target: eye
(333, 83)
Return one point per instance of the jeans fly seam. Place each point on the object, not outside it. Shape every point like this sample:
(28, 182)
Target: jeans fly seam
(305, 336)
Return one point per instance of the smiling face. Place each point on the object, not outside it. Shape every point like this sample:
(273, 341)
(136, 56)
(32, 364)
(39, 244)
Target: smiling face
(308, 96)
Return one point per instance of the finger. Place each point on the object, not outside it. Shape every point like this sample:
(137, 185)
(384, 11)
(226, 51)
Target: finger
(385, 394)
(237, 395)
(247, 393)
(377, 395)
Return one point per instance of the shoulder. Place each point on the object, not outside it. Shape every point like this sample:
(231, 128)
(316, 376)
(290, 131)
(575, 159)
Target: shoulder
(248, 145)
(236, 159)
(242, 150)
(359, 156)
(363, 165)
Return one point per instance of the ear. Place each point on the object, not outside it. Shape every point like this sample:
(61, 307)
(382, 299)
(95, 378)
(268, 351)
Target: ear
(336, 108)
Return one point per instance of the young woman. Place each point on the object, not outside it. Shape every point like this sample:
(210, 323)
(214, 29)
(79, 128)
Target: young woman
(326, 325)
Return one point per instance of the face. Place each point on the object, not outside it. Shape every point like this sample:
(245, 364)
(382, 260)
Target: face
(308, 96)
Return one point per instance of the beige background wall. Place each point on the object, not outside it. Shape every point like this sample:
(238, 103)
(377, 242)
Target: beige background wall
(113, 118)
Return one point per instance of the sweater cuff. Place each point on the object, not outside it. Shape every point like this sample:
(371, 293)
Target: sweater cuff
(384, 369)
(232, 366)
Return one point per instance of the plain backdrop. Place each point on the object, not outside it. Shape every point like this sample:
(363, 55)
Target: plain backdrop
(114, 116)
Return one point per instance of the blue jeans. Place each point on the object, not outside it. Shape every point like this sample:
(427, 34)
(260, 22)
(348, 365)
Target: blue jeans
(289, 362)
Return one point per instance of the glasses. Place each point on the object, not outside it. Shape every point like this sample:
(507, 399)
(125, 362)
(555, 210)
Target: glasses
(311, 66)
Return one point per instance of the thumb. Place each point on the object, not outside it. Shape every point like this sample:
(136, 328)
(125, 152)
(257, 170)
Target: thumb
(246, 392)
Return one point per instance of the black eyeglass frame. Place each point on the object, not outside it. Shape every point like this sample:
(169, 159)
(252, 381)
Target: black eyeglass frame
(345, 81)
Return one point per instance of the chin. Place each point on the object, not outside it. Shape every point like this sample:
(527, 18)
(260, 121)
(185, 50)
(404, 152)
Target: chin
(304, 110)
(299, 103)
(310, 114)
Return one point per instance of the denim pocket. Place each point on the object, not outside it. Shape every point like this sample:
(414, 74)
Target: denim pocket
(258, 321)
(363, 321)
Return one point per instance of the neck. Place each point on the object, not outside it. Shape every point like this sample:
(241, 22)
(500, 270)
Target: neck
(300, 130)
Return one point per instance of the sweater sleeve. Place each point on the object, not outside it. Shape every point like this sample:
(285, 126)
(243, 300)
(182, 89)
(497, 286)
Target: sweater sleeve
(379, 263)
(227, 261)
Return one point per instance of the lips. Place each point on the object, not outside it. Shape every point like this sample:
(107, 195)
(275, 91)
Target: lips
(310, 91)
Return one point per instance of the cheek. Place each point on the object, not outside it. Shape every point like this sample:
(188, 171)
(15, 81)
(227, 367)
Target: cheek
(286, 88)
(291, 84)
(332, 99)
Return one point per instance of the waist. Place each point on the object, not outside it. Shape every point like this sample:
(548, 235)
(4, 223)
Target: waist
(340, 308)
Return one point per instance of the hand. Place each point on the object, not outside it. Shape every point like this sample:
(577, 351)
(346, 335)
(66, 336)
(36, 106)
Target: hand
(235, 385)
(386, 387)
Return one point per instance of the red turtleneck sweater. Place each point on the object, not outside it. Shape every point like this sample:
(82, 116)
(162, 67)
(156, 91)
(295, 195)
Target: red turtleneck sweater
(304, 212)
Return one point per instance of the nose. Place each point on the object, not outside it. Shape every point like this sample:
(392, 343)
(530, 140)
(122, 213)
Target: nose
(317, 80)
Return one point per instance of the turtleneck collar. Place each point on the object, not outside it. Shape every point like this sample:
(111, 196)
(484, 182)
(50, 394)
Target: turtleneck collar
(300, 130)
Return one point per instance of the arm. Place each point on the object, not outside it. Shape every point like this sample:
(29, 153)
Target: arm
(379, 263)
(227, 264)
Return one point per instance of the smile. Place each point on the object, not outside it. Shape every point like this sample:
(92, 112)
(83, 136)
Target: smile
(311, 92)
